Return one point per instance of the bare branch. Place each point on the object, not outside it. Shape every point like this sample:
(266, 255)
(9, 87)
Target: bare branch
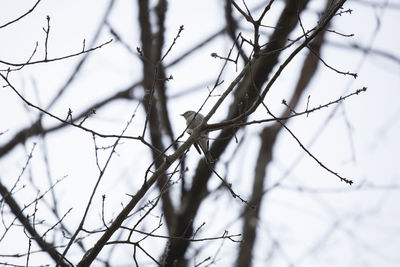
(22, 16)
(56, 58)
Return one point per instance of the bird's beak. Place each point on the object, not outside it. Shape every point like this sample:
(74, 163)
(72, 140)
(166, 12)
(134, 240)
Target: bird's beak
(182, 114)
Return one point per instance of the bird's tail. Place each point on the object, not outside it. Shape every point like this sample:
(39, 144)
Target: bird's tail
(208, 157)
(204, 145)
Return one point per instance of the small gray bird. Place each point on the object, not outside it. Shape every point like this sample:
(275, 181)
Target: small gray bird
(193, 120)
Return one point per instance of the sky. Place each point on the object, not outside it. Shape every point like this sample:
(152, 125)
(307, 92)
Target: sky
(311, 218)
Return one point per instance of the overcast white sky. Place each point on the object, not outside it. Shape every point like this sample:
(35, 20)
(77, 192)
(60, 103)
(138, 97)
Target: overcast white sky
(357, 226)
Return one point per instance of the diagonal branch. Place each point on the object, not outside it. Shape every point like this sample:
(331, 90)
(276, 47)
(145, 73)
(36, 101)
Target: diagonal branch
(16, 209)
(22, 16)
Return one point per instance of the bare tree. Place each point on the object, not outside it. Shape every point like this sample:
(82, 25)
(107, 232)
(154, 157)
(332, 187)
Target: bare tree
(159, 217)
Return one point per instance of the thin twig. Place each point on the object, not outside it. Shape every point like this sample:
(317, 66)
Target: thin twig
(228, 124)
(56, 58)
(343, 179)
(20, 17)
(102, 171)
(355, 75)
(47, 31)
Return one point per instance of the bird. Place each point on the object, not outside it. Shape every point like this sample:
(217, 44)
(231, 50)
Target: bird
(193, 120)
